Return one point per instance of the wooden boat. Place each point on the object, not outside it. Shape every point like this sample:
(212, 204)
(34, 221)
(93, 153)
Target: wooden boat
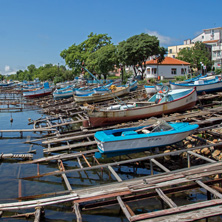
(158, 104)
(207, 84)
(39, 92)
(153, 89)
(96, 97)
(63, 93)
(139, 138)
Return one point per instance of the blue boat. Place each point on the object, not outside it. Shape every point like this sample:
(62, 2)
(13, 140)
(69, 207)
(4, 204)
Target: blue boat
(63, 93)
(208, 84)
(140, 138)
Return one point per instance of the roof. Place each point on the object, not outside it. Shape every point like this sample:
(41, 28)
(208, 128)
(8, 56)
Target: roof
(167, 61)
(211, 41)
(213, 29)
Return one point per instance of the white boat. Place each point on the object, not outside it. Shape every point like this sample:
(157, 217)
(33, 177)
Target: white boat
(159, 104)
(207, 84)
(140, 138)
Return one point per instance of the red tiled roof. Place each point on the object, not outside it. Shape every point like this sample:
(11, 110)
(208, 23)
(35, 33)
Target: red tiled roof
(167, 61)
(211, 41)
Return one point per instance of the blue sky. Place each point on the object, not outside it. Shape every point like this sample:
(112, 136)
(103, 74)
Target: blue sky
(36, 31)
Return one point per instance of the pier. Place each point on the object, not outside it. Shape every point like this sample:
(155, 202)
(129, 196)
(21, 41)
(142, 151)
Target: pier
(159, 176)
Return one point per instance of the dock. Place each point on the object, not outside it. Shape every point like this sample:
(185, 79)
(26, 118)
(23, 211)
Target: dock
(120, 182)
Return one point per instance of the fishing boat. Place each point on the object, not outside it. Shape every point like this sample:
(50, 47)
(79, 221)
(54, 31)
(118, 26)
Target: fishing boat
(153, 89)
(207, 84)
(163, 102)
(96, 97)
(39, 92)
(63, 93)
(140, 138)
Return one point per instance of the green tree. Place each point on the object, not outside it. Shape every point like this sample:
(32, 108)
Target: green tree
(75, 55)
(195, 55)
(103, 60)
(137, 49)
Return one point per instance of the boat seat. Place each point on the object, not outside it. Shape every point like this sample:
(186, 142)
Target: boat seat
(145, 131)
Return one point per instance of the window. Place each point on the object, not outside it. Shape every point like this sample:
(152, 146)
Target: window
(154, 70)
(173, 71)
(202, 36)
(170, 50)
(183, 71)
(148, 70)
(174, 56)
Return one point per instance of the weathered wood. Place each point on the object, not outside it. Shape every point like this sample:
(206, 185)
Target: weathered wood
(124, 208)
(214, 192)
(77, 212)
(193, 215)
(115, 174)
(177, 152)
(160, 165)
(16, 156)
(38, 203)
(165, 198)
(201, 157)
(56, 140)
(69, 147)
(37, 214)
(185, 208)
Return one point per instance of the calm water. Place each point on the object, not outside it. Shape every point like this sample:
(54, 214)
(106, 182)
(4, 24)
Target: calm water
(11, 170)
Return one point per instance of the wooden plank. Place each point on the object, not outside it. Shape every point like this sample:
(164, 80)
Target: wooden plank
(37, 214)
(165, 198)
(201, 157)
(38, 203)
(193, 215)
(214, 192)
(60, 156)
(160, 165)
(68, 147)
(56, 140)
(124, 208)
(77, 212)
(115, 174)
(178, 210)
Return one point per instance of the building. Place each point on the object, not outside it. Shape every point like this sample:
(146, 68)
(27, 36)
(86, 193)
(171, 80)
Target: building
(168, 68)
(174, 50)
(212, 38)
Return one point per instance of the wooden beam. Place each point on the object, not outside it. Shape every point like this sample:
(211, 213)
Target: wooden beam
(115, 174)
(124, 208)
(77, 212)
(165, 198)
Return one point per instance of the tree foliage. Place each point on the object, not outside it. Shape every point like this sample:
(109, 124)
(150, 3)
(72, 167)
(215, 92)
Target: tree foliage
(198, 53)
(75, 55)
(47, 72)
(103, 60)
(137, 49)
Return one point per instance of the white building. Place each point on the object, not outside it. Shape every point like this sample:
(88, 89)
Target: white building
(213, 38)
(168, 68)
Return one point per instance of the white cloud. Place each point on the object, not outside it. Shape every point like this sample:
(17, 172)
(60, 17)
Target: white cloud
(7, 68)
(164, 40)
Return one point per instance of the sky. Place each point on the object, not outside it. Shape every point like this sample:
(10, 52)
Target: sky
(36, 31)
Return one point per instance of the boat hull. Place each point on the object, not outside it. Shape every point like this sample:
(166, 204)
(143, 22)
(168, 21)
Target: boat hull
(109, 117)
(211, 87)
(140, 143)
(37, 93)
(102, 97)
